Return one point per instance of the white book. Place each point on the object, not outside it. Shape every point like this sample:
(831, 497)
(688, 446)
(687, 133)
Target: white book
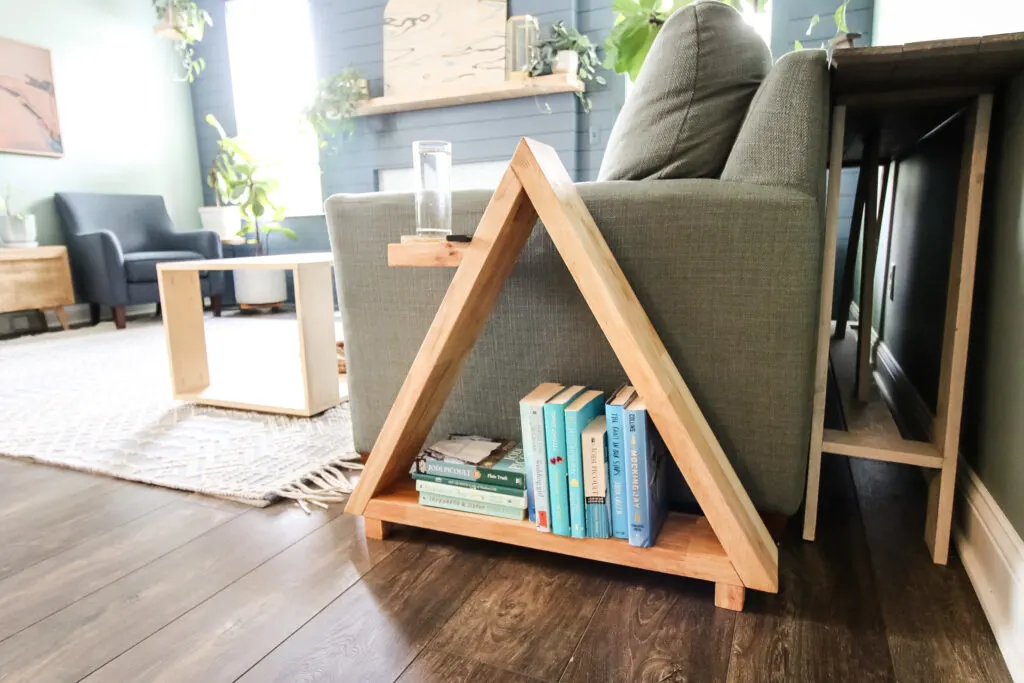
(531, 414)
(464, 493)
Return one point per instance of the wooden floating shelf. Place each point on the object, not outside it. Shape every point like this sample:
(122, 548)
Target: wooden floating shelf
(454, 94)
(686, 545)
(426, 254)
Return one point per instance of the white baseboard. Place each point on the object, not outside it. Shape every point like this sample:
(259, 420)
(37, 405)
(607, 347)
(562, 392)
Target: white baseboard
(991, 550)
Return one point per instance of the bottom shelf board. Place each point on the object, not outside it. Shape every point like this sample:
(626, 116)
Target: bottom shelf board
(278, 396)
(686, 545)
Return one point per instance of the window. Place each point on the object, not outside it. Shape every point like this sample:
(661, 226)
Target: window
(273, 77)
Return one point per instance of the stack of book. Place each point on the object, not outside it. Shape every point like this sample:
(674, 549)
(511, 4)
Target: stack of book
(473, 474)
(594, 468)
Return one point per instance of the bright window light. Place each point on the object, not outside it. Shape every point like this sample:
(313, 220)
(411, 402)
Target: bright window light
(273, 77)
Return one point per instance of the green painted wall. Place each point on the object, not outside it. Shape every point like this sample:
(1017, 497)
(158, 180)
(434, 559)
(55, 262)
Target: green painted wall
(127, 127)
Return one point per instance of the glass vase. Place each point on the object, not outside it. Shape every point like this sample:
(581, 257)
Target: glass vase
(432, 166)
(521, 35)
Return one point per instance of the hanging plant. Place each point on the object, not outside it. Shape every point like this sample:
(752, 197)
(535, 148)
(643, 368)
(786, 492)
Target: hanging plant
(185, 23)
(336, 103)
(564, 39)
(839, 16)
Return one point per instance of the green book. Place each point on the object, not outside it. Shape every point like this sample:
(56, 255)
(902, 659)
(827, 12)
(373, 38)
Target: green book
(514, 501)
(477, 507)
(504, 467)
(463, 483)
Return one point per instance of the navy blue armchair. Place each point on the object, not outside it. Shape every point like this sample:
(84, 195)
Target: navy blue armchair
(114, 243)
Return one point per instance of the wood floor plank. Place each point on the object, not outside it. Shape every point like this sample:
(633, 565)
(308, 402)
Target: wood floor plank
(79, 639)
(651, 627)
(30, 485)
(378, 626)
(90, 513)
(824, 624)
(223, 637)
(60, 580)
(434, 666)
(528, 615)
(937, 630)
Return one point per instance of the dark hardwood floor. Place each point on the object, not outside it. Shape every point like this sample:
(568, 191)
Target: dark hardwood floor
(104, 580)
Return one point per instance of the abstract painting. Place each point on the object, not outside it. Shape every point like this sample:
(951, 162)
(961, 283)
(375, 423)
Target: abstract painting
(437, 42)
(28, 104)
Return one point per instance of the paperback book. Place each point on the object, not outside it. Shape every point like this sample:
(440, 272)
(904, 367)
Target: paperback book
(554, 441)
(595, 478)
(578, 415)
(503, 466)
(474, 506)
(617, 453)
(502, 499)
(647, 474)
(463, 483)
(531, 414)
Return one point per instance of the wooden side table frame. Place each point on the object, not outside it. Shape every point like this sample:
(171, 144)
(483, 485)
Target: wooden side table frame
(940, 454)
(36, 278)
(730, 546)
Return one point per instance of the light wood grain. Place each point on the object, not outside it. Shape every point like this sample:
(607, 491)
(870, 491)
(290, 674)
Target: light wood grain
(376, 529)
(455, 94)
(869, 259)
(956, 333)
(37, 278)
(182, 302)
(686, 546)
(32, 254)
(274, 262)
(729, 597)
(885, 448)
(318, 351)
(62, 317)
(828, 270)
(426, 254)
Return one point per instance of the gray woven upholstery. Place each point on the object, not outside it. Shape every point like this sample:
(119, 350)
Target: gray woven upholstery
(690, 98)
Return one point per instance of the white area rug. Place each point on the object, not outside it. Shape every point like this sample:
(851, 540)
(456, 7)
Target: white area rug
(99, 400)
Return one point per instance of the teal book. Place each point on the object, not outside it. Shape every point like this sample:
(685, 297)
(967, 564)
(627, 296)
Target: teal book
(554, 442)
(578, 415)
(614, 410)
(531, 415)
(474, 506)
(503, 467)
(646, 470)
(595, 478)
(473, 485)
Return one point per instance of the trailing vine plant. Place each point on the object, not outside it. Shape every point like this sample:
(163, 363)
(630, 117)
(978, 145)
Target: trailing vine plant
(184, 22)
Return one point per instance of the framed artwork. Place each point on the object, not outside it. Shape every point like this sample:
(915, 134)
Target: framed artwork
(28, 103)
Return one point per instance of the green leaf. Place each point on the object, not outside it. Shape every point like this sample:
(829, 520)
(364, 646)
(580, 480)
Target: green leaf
(815, 20)
(625, 6)
(648, 5)
(840, 17)
(797, 45)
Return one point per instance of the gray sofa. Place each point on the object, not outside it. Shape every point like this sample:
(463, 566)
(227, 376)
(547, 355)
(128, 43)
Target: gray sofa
(727, 268)
(114, 243)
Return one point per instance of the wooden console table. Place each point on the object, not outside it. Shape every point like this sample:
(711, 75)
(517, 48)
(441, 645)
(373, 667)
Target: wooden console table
(886, 100)
(36, 278)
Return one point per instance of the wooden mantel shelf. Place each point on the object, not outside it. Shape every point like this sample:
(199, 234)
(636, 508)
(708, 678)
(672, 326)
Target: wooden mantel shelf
(451, 95)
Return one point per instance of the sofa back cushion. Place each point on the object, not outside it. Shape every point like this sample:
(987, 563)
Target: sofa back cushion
(138, 221)
(689, 101)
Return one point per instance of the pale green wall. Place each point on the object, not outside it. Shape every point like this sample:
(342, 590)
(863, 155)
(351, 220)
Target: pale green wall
(127, 128)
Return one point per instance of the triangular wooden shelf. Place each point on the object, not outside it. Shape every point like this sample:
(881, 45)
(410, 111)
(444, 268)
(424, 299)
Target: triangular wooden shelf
(732, 547)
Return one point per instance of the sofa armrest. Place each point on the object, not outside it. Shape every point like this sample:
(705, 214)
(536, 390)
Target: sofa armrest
(205, 242)
(98, 262)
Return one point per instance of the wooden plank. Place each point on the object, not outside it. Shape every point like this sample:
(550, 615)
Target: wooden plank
(956, 333)
(33, 253)
(182, 302)
(643, 356)
(376, 529)
(506, 224)
(378, 626)
(451, 95)
(274, 262)
(273, 601)
(729, 597)
(909, 97)
(686, 546)
(869, 259)
(35, 283)
(426, 255)
(828, 273)
(442, 667)
(526, 616)
(883, 448)
(318, 351)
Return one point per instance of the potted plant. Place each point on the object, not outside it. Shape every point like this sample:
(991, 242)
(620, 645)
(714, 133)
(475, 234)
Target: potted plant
(240, 179)
(16, 229)
(225, 217)
(184, 22)
(335, 103)
(567, 50)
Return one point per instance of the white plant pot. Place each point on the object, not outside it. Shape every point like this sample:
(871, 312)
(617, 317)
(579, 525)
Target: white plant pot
(258, 287)
(226, 221)
(18, 232)
(566, 62)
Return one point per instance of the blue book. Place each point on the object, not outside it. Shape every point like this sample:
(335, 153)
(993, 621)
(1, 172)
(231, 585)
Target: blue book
(646, 470)
(554, 441)
(595, 478)
(614, 410)
(578, 415)
(531, 415)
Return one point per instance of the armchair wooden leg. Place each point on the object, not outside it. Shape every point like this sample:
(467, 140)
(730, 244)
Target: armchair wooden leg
(94, 314)
(216, 302)
(120, 317)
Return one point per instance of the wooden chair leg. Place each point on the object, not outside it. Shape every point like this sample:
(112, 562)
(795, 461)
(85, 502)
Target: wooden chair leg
(377, 529)
(94, 314)
(120, 317)
(62, 317)
(729, 597)
(216, 304)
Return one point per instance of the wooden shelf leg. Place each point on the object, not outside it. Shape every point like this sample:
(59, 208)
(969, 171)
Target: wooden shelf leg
(730, 597)
(828, 272)
(377, 529)
(959, 297)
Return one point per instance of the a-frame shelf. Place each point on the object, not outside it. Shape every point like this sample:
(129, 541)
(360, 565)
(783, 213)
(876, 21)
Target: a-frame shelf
(729, 545)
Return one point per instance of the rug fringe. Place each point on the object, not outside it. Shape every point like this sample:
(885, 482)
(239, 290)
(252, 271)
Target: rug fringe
(322, 487)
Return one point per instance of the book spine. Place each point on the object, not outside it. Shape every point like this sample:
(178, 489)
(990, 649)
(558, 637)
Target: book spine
(471, 494)
(462, 483)
(558, 484)
(574, 467)
(474, 506)
(595, 469)
(636, 469)
(459, 470)
(617, 471)
(532, 418)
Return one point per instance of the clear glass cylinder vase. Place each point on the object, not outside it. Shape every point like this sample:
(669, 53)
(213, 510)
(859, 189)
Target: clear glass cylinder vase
(432, 166)
(521, 35)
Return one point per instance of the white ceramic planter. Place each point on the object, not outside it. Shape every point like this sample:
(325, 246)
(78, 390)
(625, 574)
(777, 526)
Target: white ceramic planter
(18, 232)
(226, 221)
(566, 62)
(257, 287)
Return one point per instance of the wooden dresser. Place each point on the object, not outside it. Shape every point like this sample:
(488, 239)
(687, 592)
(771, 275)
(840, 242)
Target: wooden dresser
(37, 278)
